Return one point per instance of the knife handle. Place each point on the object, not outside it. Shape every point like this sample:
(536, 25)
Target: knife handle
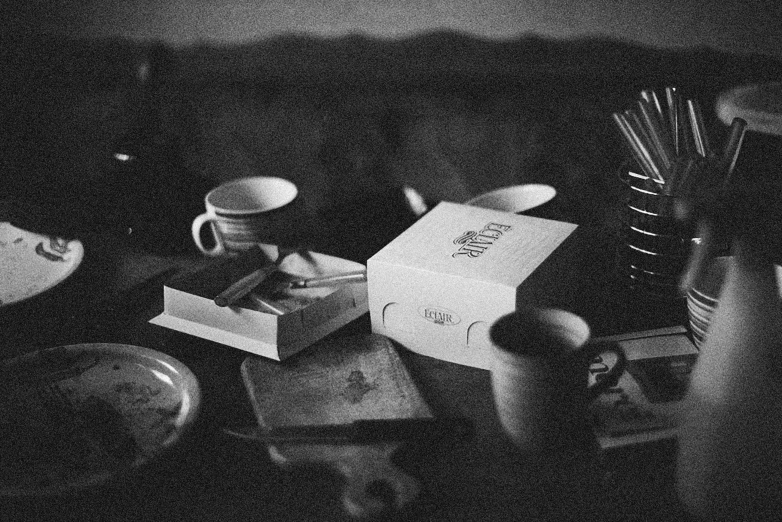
(377, 430)
(374, 485)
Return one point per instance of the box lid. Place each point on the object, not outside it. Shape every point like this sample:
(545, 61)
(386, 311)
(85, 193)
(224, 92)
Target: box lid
(476, 243)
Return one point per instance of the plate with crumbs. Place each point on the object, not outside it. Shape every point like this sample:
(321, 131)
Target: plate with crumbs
(79, 416)
(34, 263)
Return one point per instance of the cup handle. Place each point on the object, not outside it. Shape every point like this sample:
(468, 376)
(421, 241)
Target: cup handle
(198, 223)
(609, 379)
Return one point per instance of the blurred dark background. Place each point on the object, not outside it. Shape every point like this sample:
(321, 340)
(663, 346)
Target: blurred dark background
(348, 99)
(744, 26)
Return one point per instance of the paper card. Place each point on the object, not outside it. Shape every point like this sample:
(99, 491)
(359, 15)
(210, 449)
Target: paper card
(643, 406)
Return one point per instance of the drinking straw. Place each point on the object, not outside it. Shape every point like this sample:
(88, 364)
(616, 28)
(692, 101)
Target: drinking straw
(666, 127)
(654, 130)
(641, 155)
(698, 128)
(681, 178)
(730, 155)
(671, 97)
(645, 136)
(649, 96)
(687, 144)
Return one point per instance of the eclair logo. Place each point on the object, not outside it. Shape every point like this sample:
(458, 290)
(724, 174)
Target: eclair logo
(441, 316)
(473, 244)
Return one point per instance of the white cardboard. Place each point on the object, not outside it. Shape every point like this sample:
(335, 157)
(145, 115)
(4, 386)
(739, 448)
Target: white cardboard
(269, 335)
(437, 288)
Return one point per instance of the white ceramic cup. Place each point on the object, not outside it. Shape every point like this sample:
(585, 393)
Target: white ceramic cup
(540, 376)
(245, 212)
(515, 198)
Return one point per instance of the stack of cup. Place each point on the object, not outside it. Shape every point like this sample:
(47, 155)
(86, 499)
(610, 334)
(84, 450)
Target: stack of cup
(703, 296)
(653, 246)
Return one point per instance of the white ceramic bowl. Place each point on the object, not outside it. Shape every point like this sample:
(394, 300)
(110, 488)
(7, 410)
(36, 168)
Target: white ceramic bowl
(515, 198)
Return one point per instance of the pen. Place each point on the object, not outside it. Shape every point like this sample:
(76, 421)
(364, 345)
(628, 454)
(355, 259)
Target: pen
(650, 96)
(265, 305)
(656, 135)
(336, 279)
(244, 286)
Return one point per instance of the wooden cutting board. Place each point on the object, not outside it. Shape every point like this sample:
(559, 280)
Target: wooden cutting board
(337, 381)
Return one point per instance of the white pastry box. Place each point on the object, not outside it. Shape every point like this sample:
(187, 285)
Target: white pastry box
(438, 287)
(304, 315)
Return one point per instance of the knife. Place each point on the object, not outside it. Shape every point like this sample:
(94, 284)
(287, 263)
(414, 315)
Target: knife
(361, 431)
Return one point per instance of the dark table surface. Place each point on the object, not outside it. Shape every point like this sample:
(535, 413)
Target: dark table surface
(525, 112)
(212, 476)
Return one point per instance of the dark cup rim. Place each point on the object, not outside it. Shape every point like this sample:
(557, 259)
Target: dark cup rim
(504, 332)
(245, 213)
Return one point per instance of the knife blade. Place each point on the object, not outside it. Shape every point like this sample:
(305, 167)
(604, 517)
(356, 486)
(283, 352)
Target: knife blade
(361, 431)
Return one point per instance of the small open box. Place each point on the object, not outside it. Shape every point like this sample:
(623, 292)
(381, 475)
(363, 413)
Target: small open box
(437, 288)
(309, 313)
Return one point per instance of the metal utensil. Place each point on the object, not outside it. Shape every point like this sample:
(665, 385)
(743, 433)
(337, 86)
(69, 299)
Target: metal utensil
(361, 431)
(245, 285)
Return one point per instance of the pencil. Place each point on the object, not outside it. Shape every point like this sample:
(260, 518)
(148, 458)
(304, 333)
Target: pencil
(332, 280)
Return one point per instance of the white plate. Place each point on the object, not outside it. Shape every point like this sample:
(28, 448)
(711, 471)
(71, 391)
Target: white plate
(33, 263)
(77, 416)
(516, 198)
